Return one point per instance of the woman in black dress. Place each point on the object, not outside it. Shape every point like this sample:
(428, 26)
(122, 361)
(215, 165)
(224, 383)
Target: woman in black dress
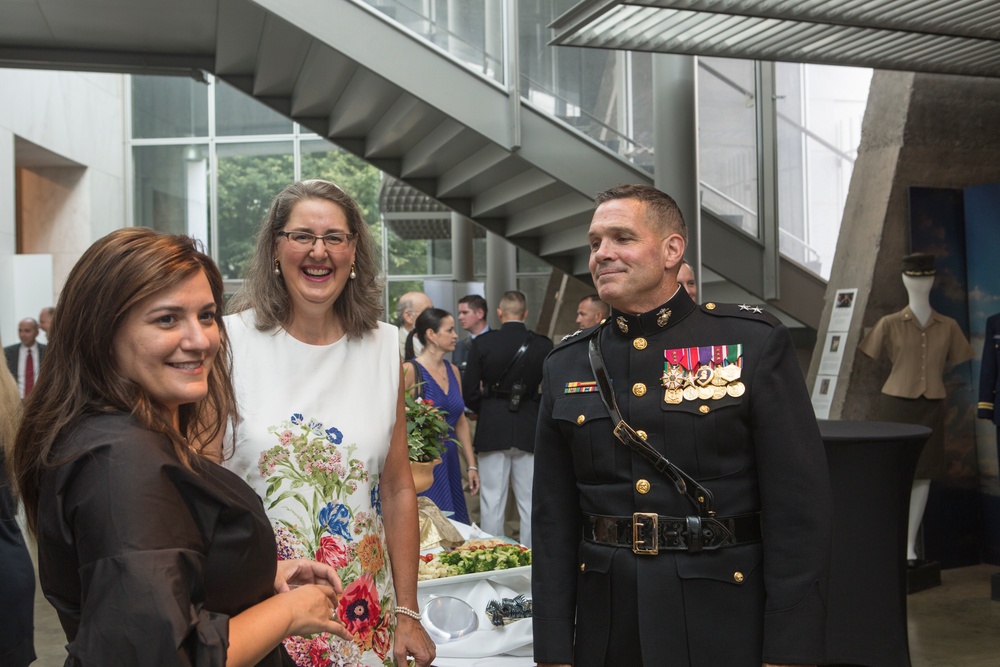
(150, 553)
(17, 581)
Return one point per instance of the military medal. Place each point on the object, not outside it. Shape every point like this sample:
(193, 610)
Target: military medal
(673, 376)
(705, 393)
(673, 396)
(734, 363)
(690, 393)
(735, 389)
(718, 362)
(718, 392)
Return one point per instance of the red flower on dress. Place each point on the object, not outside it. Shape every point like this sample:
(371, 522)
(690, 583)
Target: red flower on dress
(319, 649)
(382, 641)
(358, 609)
(332, 551)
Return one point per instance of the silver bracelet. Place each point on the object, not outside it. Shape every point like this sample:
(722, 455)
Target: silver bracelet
(405, 611)
(472, 468)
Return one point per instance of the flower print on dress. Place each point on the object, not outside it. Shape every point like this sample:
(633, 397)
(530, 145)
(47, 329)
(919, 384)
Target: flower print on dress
(359, 609)
(382, 638)
(333, 551)
(335, 518)
(376, 494)
(331, 511)
(370, 554)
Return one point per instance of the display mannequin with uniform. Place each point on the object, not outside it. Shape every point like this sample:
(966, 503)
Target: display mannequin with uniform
(921, 344)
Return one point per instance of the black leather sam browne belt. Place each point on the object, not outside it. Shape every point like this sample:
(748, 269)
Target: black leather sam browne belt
(646, 532)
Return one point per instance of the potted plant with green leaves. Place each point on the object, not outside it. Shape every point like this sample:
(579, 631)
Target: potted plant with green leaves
(426, 436)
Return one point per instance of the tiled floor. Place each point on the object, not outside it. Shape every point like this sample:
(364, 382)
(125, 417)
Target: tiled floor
(953, 625)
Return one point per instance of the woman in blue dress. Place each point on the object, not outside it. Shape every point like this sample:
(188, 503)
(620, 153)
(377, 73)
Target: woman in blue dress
(435, 329)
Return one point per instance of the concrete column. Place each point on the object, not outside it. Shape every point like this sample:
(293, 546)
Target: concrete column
(461, 249)
(675, 141)
(501, 272)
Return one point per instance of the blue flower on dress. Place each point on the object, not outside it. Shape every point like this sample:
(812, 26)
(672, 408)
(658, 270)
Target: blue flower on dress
(297, 418)
(334, 435)
(335, 518)
(315, 427)
(377, 499)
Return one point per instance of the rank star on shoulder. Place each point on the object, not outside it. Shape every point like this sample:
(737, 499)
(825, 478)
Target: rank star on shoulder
(744, 306)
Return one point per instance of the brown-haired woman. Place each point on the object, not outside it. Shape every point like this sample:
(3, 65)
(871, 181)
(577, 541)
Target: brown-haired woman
(322, 436)
(150, 553)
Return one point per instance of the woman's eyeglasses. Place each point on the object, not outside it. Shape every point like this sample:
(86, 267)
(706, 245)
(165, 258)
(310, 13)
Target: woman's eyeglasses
(336, 242)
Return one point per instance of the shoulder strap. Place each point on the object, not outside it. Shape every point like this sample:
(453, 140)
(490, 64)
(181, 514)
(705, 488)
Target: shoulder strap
(517, 357)
(685, 484)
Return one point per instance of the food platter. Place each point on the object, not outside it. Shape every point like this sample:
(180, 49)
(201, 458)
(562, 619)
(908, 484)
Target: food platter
(499, 575)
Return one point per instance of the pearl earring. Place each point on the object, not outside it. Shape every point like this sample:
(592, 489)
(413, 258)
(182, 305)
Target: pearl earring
(353, 273)
(277, 267)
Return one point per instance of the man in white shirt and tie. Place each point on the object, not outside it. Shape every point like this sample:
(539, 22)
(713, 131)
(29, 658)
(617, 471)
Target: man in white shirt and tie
(25, 358)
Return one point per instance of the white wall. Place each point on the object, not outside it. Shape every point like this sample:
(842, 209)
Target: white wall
(74, 185)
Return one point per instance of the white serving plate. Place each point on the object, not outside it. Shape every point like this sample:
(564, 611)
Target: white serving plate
(524, 570)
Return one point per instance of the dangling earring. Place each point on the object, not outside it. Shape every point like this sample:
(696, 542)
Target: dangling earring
(277, 267)
(353, 273)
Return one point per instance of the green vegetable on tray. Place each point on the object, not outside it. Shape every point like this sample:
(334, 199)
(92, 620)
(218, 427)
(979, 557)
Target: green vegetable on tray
(487, 559)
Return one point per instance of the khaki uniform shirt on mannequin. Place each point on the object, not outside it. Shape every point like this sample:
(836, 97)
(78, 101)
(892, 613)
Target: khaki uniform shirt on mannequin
(919, 355)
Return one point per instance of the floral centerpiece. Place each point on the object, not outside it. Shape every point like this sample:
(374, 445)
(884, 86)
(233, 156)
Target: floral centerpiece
(426, 429)
(426, 436)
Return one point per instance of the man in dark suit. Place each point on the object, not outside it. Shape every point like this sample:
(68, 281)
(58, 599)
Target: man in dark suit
(689, 523)
(25, 358)
(472, 319)
(503, 390)
(989, 374)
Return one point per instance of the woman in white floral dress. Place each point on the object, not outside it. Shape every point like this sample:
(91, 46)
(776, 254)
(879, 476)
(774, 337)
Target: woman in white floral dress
(322, 436)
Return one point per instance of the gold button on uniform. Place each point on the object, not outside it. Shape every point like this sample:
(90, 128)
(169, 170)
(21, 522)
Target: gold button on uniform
(639, 389)
(581, 419)
(642, 486)
(642, 434)
(704, 409)
(639, 343)
(710, 306)
(738, 577)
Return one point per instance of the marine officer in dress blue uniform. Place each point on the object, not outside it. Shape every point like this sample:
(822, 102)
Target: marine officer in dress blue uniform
(717, 556)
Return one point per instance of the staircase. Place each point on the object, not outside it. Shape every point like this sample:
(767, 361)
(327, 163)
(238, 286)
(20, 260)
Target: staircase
(351, 74)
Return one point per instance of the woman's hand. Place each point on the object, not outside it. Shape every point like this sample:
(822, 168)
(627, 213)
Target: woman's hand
(473, 482)
(412, 640)
(312, 608)
(301, 571)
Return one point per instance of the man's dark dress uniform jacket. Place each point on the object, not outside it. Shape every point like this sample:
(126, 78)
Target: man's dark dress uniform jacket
(489, 354)
(761, 451)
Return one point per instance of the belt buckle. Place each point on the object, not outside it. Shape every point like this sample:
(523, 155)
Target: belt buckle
(640, 546)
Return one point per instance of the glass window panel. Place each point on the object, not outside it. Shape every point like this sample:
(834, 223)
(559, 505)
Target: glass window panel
(534, 287)
(472, 32)
(321, 159)
(727, 140)
(820, 109)
(238, 114)
(590, 89)
(419, 247)
(528, 263)
(171, 189)
(250, 175)
(169, 106)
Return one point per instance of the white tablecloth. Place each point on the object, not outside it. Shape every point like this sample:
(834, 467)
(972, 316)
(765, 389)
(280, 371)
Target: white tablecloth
(489, 646)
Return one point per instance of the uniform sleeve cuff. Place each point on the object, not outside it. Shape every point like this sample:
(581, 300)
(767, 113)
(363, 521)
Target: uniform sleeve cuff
(797, 636)
(553, 640)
